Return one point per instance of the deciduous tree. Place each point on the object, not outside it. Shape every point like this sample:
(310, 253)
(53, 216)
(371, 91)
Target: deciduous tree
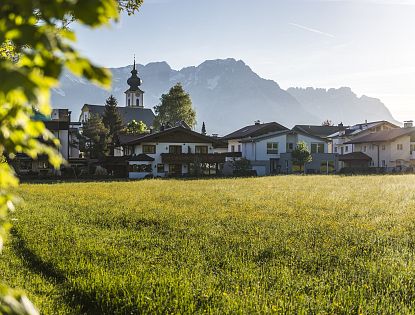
(174, 107)
(136, 127)
(34, 49)
(301, 155)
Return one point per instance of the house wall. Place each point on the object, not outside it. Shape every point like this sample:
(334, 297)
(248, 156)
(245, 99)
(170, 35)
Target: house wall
(164, 148)
(236, 144)
(338, 143)
(388, 152)
(260, 160)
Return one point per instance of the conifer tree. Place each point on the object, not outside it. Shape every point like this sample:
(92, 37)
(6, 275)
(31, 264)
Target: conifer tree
(94, 139)
(203, 129)
(174, 107)
(113, 122)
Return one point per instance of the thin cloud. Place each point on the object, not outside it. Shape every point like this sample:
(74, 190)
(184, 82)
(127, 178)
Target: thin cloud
(313, 30)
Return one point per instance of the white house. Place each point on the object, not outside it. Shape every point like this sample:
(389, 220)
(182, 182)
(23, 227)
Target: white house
(234, 139)
(392, 149)
(271, 153)
(176, 151)
(341, 137)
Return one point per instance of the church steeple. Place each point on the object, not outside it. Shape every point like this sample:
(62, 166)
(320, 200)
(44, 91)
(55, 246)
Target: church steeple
(134, 95)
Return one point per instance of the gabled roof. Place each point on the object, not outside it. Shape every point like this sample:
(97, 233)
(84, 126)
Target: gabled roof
(124, 138)
(354, 156)
(317, 130)
(255, 130)
(383, 136)
(359, 128)
(128, 114)
(278, 133)
(177, 134)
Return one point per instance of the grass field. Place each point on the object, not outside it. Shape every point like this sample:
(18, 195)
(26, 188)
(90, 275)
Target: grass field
(294, 244)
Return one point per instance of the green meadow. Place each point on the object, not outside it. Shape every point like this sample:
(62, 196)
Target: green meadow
(292, 244)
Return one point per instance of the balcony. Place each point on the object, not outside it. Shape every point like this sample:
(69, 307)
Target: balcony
(184, 158)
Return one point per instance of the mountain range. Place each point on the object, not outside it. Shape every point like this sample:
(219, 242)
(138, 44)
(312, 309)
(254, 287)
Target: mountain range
(227, 95)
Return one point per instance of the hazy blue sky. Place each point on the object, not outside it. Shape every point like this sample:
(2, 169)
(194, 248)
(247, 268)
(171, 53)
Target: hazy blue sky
(368, 45)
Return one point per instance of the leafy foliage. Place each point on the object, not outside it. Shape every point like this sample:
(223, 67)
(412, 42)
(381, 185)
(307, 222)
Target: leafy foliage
(301, 155)
(271, 245)
(136, 127)
(175, 106)
(113, 122)
(241, 166)
(94, 139)
(34, 48)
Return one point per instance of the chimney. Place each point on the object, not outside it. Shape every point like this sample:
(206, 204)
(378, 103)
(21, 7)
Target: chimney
(214, 135)
(408, 124)
(340, 125)
(257, 122)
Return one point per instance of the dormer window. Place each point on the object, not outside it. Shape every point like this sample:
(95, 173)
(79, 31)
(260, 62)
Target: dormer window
(137, 101)
(128, 102)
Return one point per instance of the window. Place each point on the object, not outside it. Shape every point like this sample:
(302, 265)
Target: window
(412, 148)
(137, 101)
(317, 148)
(290, 146)
(346, 149)
(232, 148)
(128, 102)
(43, 165)
(140, 168)
(399, 146)
(201, 149)
(383, 163)
(239, 148)
(364, 148)
(160, 168)
(335, 149)
(272, 148)
(149, 149)
(25, 165)
(175, 149)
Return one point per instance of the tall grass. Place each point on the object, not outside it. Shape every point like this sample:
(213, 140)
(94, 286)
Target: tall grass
(306, 244)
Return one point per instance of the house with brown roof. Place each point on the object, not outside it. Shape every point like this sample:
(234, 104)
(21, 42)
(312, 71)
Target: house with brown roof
(176, 151)
(392, 150)
(341, 137)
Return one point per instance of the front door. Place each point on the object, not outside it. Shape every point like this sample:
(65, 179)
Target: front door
(273, 166)
(175, 169)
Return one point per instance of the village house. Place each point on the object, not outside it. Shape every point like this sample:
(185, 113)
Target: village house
(134, 105)
(269, 152)
(174, 152)
(59, 123)
(390, 149)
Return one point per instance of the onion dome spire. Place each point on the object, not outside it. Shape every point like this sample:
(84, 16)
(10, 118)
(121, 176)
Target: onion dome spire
(134, 81)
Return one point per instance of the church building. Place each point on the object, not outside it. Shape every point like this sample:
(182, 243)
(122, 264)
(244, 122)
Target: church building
(134, 104)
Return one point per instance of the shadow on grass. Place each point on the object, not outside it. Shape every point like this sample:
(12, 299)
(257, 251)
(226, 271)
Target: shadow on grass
(81, 302)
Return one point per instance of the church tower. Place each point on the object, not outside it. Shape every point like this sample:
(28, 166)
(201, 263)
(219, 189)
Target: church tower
(134, 96)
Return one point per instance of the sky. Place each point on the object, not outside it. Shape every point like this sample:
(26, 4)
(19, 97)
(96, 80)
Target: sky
(368, 45)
